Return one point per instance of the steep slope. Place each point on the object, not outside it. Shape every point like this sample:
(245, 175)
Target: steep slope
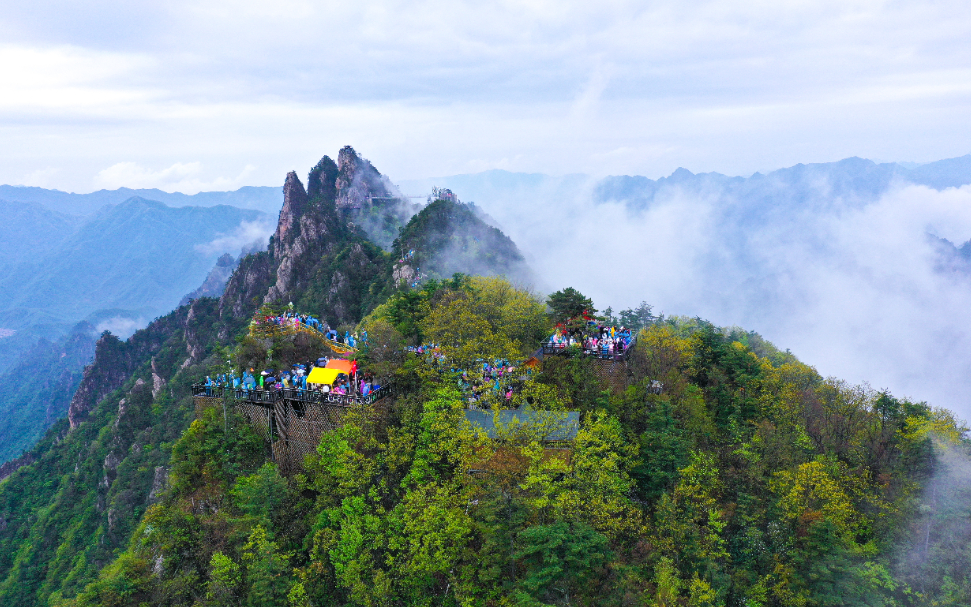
(68, 511)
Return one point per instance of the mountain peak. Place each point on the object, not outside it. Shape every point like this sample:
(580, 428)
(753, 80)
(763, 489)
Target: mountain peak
(294, 205)
(358, 181)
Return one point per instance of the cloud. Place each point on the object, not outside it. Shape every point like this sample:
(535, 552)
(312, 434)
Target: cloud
(246, 235)
(50, 80)
(426, 86)
(180, 177)
(40, 177)
(121, 326)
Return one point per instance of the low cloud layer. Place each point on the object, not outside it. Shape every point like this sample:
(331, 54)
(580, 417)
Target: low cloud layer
(248, 236)
(121, 326)
(852, 287)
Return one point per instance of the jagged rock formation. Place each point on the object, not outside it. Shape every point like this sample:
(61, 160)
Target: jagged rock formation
(294, 205)
(323, 255)
(314, 245)
(358, 181)
(300, 237)
(369, 199)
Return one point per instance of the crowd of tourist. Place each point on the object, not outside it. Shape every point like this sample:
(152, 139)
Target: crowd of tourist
(487, 380)
(499, 380)
(306, 321)
(595, 339)
(295, 378)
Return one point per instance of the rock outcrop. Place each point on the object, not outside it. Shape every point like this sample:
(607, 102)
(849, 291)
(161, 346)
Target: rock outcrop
(13, 465)
(294, 205)
(302, 237)
(358, 181)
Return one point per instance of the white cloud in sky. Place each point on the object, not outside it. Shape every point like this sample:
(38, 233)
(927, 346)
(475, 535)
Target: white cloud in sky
(180, 177)
(121, 326)
(69, 81)
(433, 87)
(40, 177)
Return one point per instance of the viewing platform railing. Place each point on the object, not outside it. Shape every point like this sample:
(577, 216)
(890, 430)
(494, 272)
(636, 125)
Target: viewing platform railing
(550, 349)
(269, 397)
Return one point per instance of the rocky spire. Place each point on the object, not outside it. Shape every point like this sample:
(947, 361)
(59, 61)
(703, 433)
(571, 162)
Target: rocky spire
(320, 182)
(357, 180)
(294, 204)
(312, 226)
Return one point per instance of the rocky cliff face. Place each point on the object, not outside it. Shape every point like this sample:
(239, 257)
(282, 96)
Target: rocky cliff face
(358, 180)
(294, 206)
(247, 286)
(323, 256)
(306, 232)
(115, 360)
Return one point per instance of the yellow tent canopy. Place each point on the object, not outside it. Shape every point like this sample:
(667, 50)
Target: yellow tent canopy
(343, 365)
(321, 375)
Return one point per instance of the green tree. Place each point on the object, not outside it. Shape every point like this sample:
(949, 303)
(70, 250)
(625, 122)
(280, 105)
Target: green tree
(224, 580)
(637, 318)
(559, 560)
(261, 494)
(267, 571)
(569, 303)
(463, 334)
(663, 451)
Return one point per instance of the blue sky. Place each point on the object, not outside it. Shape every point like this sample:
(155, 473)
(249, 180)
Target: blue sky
(216, 94)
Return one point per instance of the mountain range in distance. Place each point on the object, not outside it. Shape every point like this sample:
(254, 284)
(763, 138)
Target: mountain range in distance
(68, 278)
(265, 199)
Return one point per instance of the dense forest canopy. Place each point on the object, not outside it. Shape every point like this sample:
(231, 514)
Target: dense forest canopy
(750, 480)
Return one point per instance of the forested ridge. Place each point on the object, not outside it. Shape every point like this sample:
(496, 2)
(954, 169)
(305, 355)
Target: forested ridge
(750, 480)
(745, 479)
